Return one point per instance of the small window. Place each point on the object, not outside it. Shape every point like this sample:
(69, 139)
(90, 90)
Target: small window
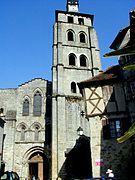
(70, 36)
(26, 107)
(82, 38)
(72, 60)
(73, 87)
(70, 19)
(37, 104)
(83, 61)
(81, 21)
(115, 128)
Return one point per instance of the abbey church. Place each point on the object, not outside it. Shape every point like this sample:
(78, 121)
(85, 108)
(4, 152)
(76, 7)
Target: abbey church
(50, 131)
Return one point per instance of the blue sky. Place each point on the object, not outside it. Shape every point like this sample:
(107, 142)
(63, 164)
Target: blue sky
(26, 34)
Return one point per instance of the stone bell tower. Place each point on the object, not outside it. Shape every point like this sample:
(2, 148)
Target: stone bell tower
(76, 58)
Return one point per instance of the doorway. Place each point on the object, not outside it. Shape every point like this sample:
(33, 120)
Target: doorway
(38, 167)
(33, 170)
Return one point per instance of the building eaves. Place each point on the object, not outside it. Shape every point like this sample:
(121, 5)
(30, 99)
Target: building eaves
(111, 75)
(119, 38)
(124, 43)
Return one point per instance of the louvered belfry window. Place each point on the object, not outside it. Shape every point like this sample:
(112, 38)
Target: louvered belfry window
(37, 104)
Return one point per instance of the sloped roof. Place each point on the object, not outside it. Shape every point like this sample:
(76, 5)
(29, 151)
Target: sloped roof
(111, 75)
(124, 43)
(123, 35)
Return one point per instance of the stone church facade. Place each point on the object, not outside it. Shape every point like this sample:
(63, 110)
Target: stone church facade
(27, 111)
(43, 118)
(38, 107)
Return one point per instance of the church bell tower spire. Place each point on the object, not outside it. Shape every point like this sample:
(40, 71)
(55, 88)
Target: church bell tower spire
(72, 5)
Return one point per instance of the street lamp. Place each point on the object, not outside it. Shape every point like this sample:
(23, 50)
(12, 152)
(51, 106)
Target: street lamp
(1, 112)
(80, 131)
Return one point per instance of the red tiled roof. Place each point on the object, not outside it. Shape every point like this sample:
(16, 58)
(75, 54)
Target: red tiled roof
(111, 75)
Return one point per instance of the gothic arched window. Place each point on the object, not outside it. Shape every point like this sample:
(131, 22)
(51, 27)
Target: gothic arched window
(37, 109)
(72, 60)
(26, 107)
(73, 87)
(83, 61)
(70, 35)
(82, 38)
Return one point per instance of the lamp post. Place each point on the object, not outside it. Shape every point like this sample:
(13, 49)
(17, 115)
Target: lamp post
(80, 131)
